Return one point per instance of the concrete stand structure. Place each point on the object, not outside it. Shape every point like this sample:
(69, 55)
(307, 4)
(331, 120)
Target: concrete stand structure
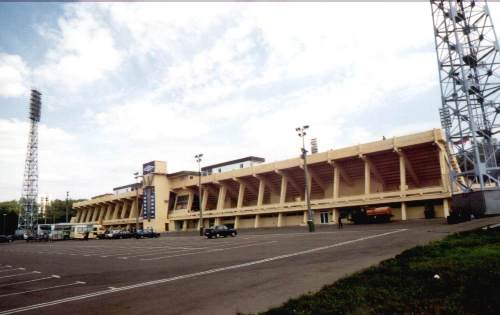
(407, 173)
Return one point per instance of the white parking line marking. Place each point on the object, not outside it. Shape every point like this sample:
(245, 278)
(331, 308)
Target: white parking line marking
(20, 274)
(33, 280)
(191, 275)
(209, 251)
(12, 269)
(43, 289)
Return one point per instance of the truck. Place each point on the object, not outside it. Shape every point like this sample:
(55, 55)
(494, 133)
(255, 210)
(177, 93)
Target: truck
(370, 215)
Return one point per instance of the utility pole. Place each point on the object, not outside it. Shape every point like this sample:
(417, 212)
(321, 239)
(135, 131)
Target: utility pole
(301, 131)
(198, 160)
(136, 176)
(67, 200)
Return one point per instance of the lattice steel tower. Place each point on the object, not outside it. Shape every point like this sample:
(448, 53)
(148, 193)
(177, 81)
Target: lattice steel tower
(29, 207)
(468, 60)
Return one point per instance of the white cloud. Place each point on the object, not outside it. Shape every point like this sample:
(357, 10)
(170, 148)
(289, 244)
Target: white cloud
(84, 50)
(13, 75)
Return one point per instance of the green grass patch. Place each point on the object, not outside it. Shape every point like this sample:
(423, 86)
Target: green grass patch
(468, 265)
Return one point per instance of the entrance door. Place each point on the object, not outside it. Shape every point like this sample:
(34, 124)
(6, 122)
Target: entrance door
(324, 217)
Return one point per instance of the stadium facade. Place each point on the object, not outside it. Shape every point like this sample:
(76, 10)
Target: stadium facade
(407, 173)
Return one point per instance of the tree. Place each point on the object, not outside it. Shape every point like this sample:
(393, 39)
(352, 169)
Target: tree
(56, 210)
(11, 210)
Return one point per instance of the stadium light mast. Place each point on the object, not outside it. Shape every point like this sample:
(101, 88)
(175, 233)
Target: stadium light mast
(468, 61)
(301, 131)
(28, 214)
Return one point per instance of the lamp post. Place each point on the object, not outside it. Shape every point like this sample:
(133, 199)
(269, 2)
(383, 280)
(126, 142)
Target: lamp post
(67, 197)
(4, 221)
(136, 176)
(198, 160)
(301, 131)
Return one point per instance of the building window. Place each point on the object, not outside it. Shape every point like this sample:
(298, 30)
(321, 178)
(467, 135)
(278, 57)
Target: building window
(219, 170)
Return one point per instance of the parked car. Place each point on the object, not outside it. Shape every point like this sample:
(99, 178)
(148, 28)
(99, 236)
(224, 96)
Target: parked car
(6, 239)
(125, 234)
(220, 230)
(146, 233)
(113, 234)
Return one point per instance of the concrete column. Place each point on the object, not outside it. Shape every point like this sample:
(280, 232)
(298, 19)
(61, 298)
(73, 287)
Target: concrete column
(336, 183)
(446, 208)
(260, 196)
(256, 222)
(444, 171)
(124, 209)
(403, 211)
(241, 195)
(280, 219)
(190, 201)
(96, 213)
(78, 215)
(185, 225)
(402, 174)
(89, 213)
(222, 197)
(204, 199)
(284, 184)
(111, 209)
(236, 222)
(217, 221)
(335, 215)
(103, 212)
(304, 219)
(116, 212)
(367, 178)
(133, 212)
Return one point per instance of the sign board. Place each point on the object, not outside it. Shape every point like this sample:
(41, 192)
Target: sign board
(148, 203)
(148, 168)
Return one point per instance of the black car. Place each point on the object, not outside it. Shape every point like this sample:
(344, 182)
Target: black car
(6, 239)
(220, 230)
(146, 233)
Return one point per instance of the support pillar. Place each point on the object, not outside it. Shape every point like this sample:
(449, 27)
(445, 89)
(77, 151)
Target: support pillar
(204, 199)
(284, 184)
(190, 201)
(185, 225)
(367, 178)
(280, 219)
(403, 211)
(124, 210)
(87, 216)
(260, 196)
(222, 197)
(402, 175)
(116, 212)
(256, 222)
(133, 211)
(445, 182)
(236, 222)
(217, 221)
(304, 219)
(96, 213)
(446, 208)
(336, 183)
(335, 215)
(241, 196)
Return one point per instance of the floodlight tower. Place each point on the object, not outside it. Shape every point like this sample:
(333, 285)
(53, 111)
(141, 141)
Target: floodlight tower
(28, 215)
(468, 61)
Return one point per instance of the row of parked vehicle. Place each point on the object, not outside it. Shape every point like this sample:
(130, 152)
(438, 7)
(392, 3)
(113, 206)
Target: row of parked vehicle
(119, 234)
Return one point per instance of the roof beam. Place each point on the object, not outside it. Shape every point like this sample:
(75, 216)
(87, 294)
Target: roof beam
(408, 166)
(292, 182)
(342, 171)
(252, 189)
(266, 182)
(315, 176)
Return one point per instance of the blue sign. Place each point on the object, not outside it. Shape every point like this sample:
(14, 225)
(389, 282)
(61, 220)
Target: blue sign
(148, 203)
(148, 168)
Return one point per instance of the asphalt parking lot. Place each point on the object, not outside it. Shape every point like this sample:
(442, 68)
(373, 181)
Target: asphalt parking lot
(185, 274)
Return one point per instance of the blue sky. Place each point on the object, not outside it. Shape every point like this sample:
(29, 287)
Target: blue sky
(126, 83)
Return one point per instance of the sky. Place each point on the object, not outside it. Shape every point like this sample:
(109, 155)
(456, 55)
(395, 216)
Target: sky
(126, 83)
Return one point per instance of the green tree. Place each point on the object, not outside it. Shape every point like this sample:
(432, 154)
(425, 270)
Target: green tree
(56, 210)
(9, 211)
